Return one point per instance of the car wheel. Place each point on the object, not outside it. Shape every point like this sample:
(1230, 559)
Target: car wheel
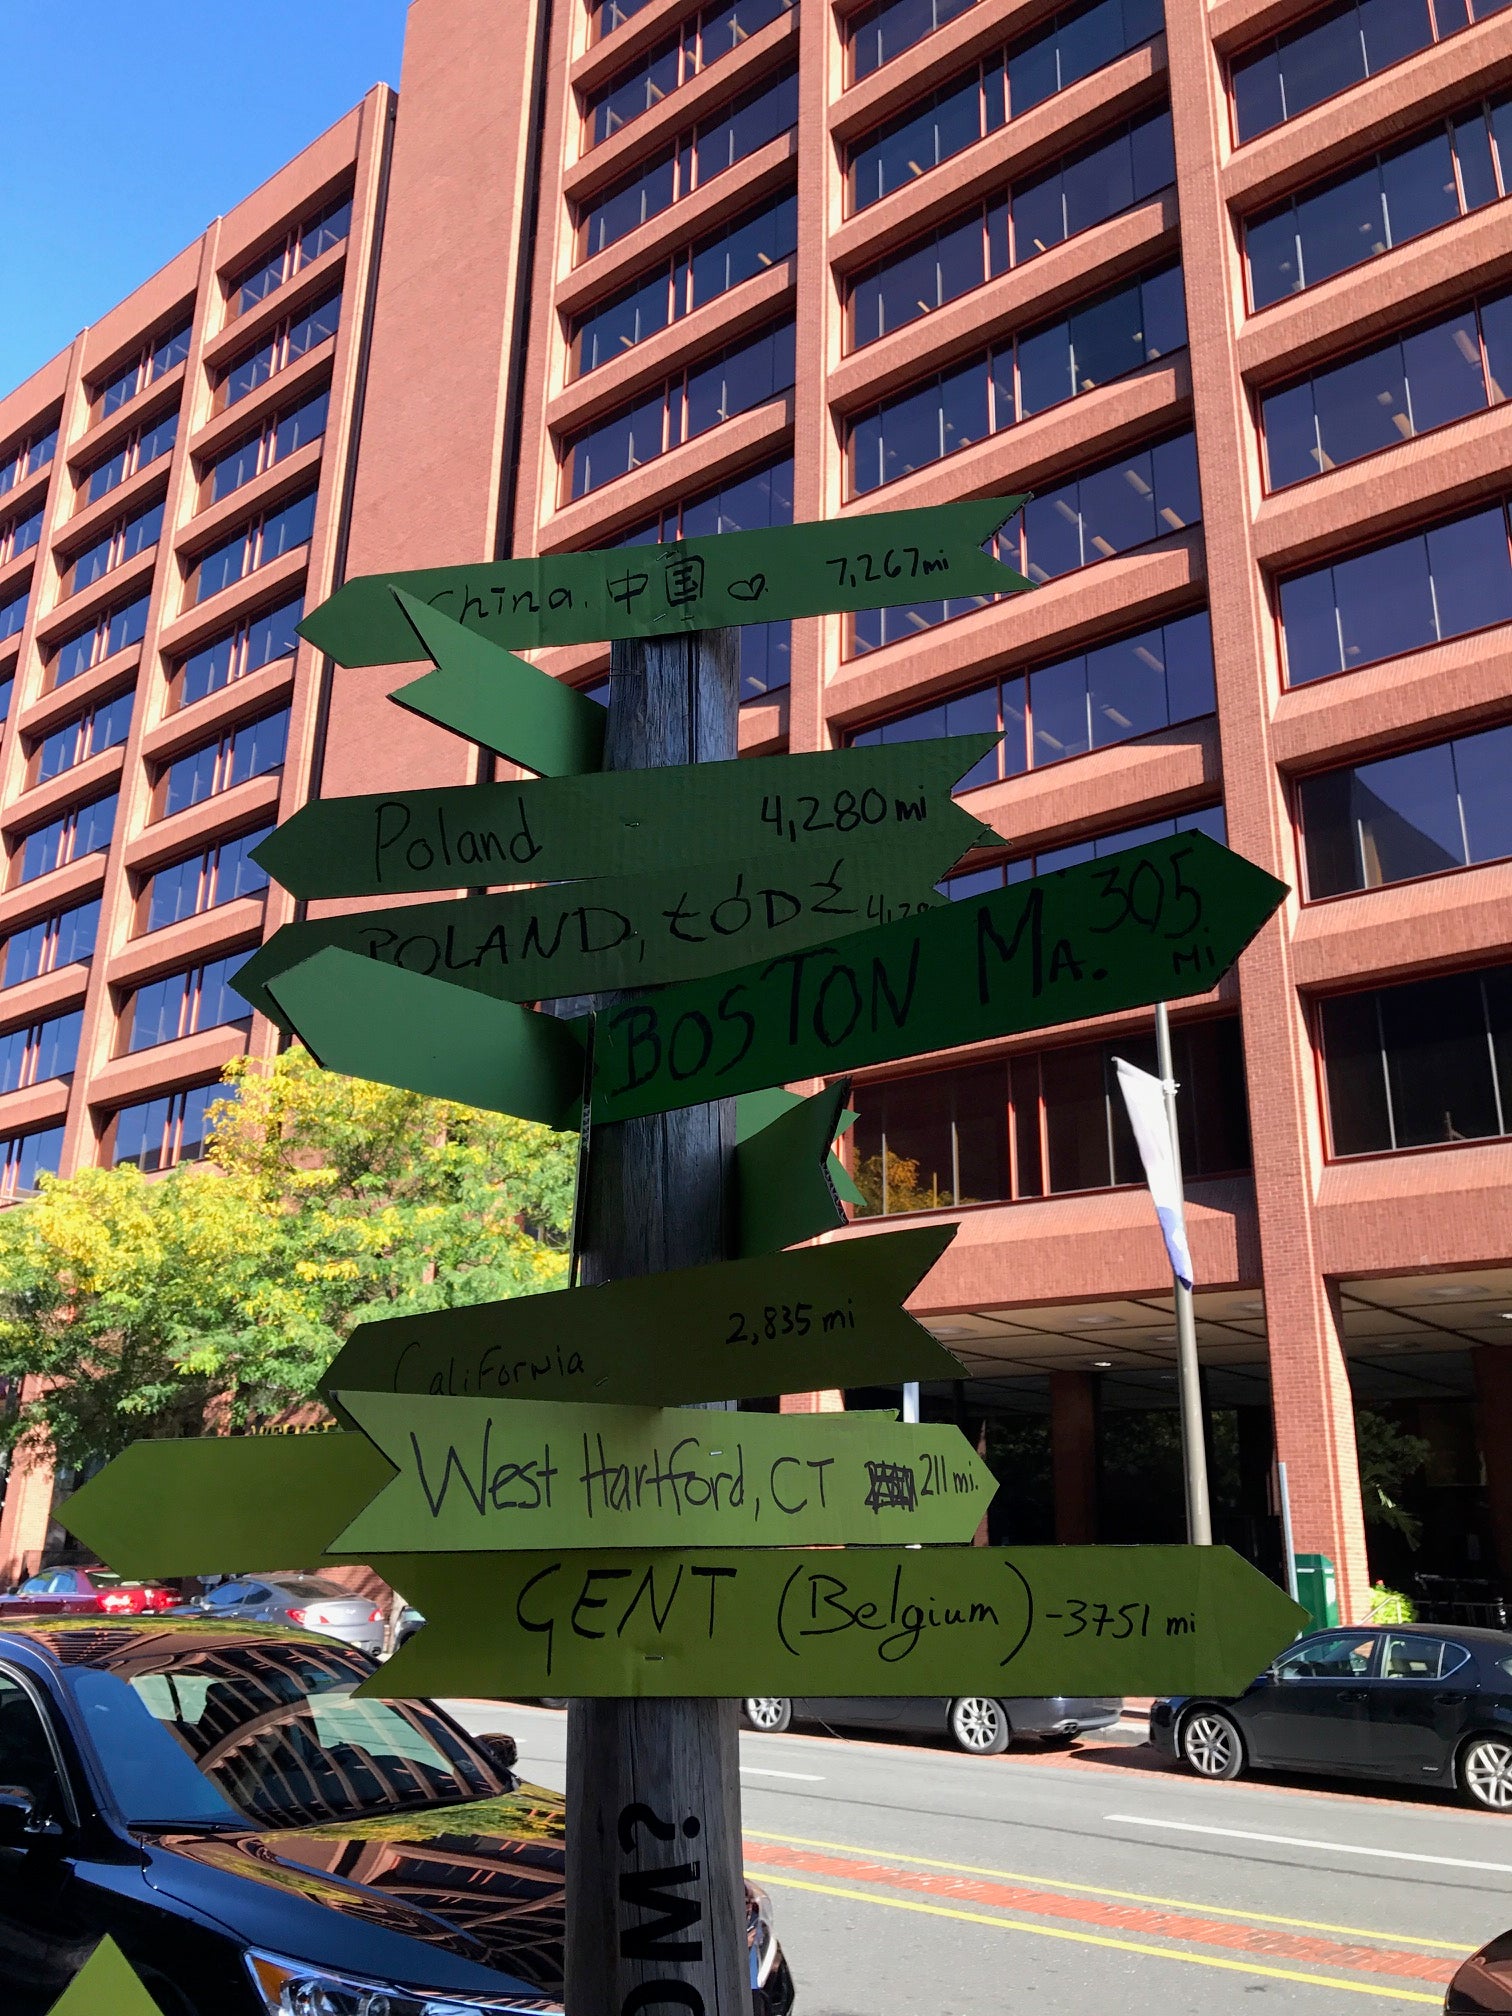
(1485, 1773)
(1211, 1744)
(979, 1725)
(771, 1713)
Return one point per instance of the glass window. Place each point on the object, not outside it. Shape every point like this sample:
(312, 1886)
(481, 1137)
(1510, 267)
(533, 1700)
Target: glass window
(1417, 1064)
(1408, 1657)
(256, 545)
(249, 647)
(1443, 583)
(114, 632)
(654, 76)
(886, 28)
(181, 1004)
(85, 830)
(1107, 511)
(59, 940)
(1417, 814)
(13, 614)
(160, 1133)
(26, 1157)
(1343, 1655)
(294, 339)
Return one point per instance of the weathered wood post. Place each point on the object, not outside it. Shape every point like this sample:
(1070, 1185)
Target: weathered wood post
(655, 1891)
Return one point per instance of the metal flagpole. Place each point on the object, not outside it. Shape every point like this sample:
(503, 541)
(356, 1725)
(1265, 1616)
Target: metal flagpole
(1193, 1437)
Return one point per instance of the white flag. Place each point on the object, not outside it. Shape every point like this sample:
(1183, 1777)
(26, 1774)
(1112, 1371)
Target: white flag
(1144, 1096)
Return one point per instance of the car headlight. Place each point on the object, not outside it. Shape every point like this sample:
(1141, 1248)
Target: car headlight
(760, 1937)
(299, 1988)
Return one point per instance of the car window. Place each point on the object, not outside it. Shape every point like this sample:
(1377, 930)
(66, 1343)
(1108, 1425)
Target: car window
(101, 1578)
(35, 1585)
(1342, 1655)
(306, 1587)
(1410, 1658)
(26, 1757)
(225, 1594)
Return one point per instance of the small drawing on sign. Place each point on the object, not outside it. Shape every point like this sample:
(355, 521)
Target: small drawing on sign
(891, 1488)
(626, 589)
(684, 579)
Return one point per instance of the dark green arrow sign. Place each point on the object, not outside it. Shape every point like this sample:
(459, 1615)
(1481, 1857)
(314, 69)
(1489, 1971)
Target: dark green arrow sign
(570, 938)
(869, 561)
(785, 1170)
(854, 1620)
(557, 829)
(1153, 923)
(733, 1330)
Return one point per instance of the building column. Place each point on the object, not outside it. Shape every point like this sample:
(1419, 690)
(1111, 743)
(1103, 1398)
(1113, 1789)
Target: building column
(1073, 1457)
(1493, 1431)
(25, 1519)
(830, 1400)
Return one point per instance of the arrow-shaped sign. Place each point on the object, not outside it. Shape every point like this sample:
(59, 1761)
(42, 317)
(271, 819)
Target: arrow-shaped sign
(572, 938)
(733, 1330)
(870, 1620)
(868, 561)
(478, 1475)
(106, 1985)
(785, 1170)
(758, 813)
(1156, 922)
(380, 1022)
(492, 697)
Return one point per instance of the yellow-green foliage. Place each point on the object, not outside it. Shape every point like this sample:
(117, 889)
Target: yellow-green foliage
(229, 1284)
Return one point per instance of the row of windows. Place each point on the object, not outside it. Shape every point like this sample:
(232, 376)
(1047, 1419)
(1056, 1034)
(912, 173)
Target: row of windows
(303, 245)
(704, 37)
(63, 939)
(288, 343)
(998, 88)
(105, 726)
(19, 535)
(81, 830)
(1326, 53)
(1093, 345)
(882, 31)
(25, 1157)
(280, 436)
(1419, 1063)
(31, 1055)
(265, 540)
(124, 541)
(1152, 679)
(26, 457)
(696, 157)
(182, 1004)
(113, 630)
(203, 882)
(141, 449)
(1453, 168)
(1453, 367)
(1004, 875)
(159, 1133)
(154, 361)
(255, 642)
(13, 614)
(745, 375)
(752, 244)
(1070, 196)
(252, 750)
(1044, 1123)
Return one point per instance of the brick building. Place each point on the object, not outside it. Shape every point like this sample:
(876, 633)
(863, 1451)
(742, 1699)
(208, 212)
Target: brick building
(1230, 290)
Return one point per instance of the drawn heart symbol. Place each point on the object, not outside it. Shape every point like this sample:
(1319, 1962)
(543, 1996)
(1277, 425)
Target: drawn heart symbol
(748, 591)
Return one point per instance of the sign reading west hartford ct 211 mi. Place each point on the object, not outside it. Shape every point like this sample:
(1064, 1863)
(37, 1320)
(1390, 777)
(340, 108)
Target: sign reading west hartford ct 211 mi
(874, 560)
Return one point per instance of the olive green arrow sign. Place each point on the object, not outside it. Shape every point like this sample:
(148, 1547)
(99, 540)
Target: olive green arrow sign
(1156, 922)
(106, 1985)
(868, 1620)
(478, 1475)
(732, 1330)
(868, 561)
(571, 938)
(492, 697)
(558, 829)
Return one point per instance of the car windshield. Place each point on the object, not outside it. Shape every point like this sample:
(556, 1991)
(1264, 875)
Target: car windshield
(266, 1733)
(106, 1578)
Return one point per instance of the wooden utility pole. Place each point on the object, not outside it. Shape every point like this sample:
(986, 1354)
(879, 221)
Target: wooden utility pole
(655, 1891)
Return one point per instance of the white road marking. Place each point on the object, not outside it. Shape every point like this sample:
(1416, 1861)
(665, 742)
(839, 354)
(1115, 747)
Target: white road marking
(1304, 1841)
(764, 1771)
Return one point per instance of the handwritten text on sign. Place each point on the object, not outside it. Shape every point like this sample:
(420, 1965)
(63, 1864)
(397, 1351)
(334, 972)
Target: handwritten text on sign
(1155, 922)
(478, 1474)
(873, 1620)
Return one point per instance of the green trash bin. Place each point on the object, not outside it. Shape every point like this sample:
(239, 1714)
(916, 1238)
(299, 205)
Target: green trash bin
(1316, 1590)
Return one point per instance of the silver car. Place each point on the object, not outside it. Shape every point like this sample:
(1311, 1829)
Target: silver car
(301, 1600)
(974, 1722)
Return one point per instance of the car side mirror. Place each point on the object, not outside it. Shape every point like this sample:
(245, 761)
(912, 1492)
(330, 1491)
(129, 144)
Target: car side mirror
(20, 1824)
(501, 1751)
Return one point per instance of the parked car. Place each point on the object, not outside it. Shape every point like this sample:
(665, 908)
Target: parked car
(72, 1592)
(301, 1600)
(256, 1841)
(1427, 1704)
(1482, 1986)
(974, 1722)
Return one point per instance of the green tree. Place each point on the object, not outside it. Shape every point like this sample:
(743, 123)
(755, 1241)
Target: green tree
(1389, 1457)
(226, 1287)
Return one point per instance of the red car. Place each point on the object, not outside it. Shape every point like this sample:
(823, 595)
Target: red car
(73, 1592)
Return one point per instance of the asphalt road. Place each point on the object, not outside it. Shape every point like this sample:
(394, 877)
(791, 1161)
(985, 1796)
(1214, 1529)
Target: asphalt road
(907, 1878)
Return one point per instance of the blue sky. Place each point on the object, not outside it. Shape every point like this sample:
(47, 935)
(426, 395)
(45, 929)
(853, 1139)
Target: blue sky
(127, 127)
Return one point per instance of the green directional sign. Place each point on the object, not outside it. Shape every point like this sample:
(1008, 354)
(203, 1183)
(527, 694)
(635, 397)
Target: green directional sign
(224, 1504)
(571, 938)
(476, 1475)
(106, 1985)
(873, 560)
(868, 1620)
(492, 697)
(1156, 922)
(732, 1330)
(368, 1020)
(785, 1187)
(558, 829)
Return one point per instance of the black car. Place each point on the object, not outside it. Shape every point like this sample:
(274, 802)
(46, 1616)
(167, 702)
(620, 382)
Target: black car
(258, 1842)
(1425, 1704)
(976, 1722)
